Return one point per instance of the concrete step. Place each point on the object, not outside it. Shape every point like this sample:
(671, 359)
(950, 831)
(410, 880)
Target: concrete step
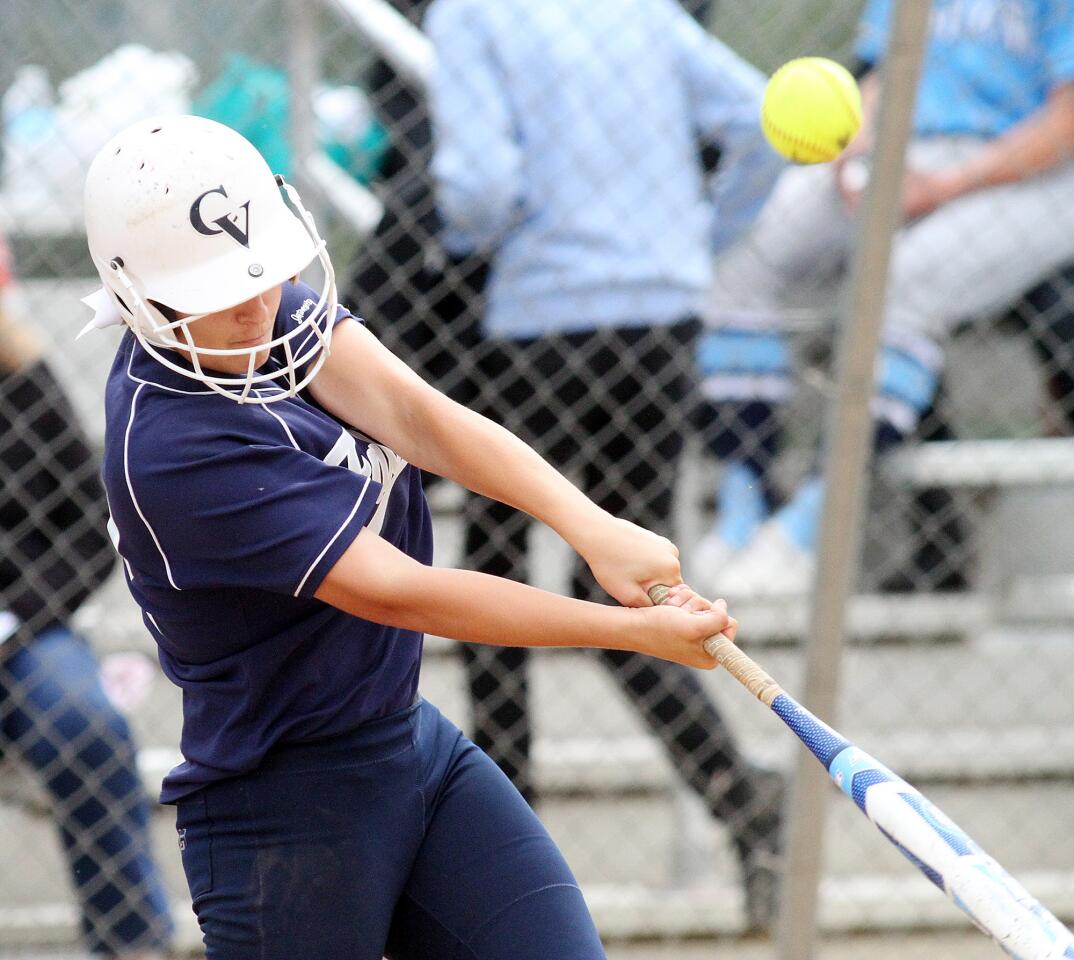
(652, 832)
(624, 839)
(900, 912)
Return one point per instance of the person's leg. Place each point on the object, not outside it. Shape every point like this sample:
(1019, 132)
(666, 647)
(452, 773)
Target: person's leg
(55, 716)
(306, 856)
(512, 380)
(967, 259)
(495, 542)
(1047, 313)
(488, 883)
(639, 380)
(744, 437)
(939, 530)
(798, 243)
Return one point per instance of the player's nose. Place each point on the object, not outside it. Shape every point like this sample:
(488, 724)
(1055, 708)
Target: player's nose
(251, 312)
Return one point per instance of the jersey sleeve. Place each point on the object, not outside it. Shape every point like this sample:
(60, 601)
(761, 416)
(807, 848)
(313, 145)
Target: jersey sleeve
(264, 516)
(296, 298)
(1057, 41)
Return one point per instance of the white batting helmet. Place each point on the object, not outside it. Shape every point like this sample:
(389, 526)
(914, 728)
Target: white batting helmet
(184, 212)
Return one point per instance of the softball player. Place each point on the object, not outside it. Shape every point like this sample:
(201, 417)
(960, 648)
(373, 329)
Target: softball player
(267, 507)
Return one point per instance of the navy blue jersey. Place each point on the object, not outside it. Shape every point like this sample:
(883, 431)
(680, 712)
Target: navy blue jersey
(227, 517)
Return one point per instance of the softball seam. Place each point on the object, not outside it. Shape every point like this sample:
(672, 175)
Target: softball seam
(817, 148)
(790, 138)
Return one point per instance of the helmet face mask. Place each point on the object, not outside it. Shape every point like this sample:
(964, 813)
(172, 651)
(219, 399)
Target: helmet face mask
(183, 214)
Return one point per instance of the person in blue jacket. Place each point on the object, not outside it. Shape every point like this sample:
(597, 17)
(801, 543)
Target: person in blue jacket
(569, 145)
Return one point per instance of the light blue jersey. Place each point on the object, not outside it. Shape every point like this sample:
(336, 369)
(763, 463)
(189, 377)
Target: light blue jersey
(567, 138)
(989, 63)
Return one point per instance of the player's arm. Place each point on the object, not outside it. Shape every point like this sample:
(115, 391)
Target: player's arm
(725, 93)
(364, 384)
(477, 163)
(375, 581)
(1040, 142)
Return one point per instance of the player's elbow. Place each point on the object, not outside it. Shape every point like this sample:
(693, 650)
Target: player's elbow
(375, 581)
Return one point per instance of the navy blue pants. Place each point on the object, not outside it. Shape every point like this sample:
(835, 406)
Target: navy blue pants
(400, 840)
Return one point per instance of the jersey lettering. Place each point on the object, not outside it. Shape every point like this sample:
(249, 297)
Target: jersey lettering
(381, 464)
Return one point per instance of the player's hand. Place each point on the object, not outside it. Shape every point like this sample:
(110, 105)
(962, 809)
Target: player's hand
(685, 598)
(923, 192)
(627, 559)
(851, 177)
(676, 632)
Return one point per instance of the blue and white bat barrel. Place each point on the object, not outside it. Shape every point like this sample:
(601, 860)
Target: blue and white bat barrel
(997, 903)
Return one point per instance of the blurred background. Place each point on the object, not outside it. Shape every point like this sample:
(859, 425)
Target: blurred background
(956, 655)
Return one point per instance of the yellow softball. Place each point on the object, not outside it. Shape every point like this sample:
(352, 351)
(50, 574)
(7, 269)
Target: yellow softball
(811, 109)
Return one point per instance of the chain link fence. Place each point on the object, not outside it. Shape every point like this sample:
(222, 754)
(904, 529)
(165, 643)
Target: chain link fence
(662, 787)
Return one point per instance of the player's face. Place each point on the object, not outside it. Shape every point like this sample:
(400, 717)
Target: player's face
(238, 327)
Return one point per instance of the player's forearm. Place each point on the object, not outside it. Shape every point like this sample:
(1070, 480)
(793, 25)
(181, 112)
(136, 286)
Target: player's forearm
(374, 581)
(1033, 147)
(479, 608)
(484, 457)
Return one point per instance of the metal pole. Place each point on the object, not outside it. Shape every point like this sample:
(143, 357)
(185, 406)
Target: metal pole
(848, 439)
(395, 38)
(303, 67)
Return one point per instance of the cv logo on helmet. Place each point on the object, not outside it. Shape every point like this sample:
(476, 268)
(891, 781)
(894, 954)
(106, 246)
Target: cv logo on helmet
(228, 224)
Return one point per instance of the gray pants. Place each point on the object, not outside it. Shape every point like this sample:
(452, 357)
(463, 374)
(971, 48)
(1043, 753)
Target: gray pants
(966, 259)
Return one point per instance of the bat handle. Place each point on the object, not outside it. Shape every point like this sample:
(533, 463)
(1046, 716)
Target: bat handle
(732, 659)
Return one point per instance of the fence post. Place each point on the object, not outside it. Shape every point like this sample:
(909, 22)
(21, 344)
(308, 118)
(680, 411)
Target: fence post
(303, 67)
(848, 442)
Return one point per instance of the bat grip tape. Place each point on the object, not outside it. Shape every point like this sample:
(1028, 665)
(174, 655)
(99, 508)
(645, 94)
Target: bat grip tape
(732, 659)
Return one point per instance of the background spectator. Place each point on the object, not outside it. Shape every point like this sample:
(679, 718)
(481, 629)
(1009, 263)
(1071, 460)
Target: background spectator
(568, 138)
(986, 201)
(54, 714)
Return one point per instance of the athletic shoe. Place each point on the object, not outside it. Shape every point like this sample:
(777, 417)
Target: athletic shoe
(708, 562)
(771, 566)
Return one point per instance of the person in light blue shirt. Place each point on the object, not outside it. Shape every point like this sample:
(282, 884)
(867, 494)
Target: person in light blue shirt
(987, 214)
(568, 137)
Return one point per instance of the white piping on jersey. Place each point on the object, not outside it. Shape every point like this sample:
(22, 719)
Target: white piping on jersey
(335, 537)
(153, 620)
(189, 393)
(130, 487)
(113, 534)
(283, 423)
